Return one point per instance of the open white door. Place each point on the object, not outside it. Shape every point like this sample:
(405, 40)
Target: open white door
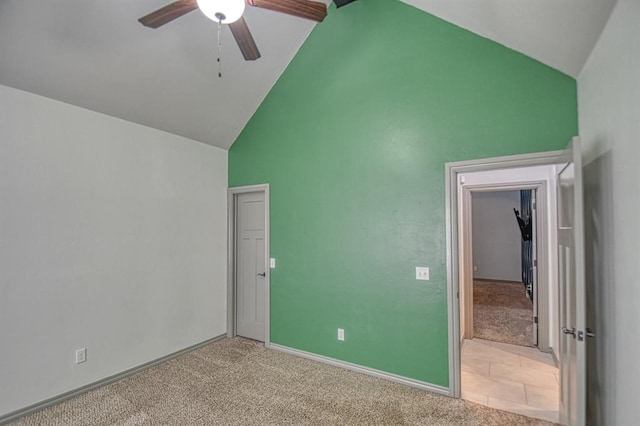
(571, 284)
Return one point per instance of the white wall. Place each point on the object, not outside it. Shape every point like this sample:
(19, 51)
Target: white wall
(112, 237)
(496, 236)
(547, 176)
(609, 118)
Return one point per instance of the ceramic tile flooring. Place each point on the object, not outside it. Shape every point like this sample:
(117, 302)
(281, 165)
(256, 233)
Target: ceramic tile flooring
(511, 378)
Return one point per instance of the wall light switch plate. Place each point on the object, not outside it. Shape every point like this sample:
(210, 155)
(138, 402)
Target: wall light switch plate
(272, 263)
(341, 334)
(422, 273)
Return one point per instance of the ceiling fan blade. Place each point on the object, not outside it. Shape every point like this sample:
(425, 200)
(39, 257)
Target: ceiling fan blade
(313, 10)
(168, 13)
(245, 41)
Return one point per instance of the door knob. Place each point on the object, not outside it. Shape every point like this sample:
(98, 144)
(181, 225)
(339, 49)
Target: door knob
(572, 332)
(590, 333)
(264, 274)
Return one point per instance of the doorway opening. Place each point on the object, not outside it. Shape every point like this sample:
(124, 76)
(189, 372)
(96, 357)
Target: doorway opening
(507, 254)
(502, 366)
(248, 284)
(504, 298)
(486, 366)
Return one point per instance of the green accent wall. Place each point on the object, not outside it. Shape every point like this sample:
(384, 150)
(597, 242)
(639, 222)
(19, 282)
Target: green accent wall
(353, 139)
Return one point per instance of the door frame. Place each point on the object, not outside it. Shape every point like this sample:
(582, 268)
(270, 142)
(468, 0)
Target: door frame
(452, 172)
(232, 197)
(541, 283)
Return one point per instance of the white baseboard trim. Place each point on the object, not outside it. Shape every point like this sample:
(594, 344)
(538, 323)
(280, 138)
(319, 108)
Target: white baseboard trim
(364, 370)
(556, 361)
(75, 392)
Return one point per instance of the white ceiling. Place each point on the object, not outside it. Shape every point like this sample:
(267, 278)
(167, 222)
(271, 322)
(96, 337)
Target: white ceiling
(94, 54)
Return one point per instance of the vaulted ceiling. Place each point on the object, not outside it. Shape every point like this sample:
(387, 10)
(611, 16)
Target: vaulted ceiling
(94, 54)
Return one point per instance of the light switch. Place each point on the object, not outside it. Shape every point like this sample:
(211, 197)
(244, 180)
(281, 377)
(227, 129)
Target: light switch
(272, 263)
(422, 273)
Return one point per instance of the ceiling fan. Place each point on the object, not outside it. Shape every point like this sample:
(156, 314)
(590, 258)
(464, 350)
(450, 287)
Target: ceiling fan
(230, 12)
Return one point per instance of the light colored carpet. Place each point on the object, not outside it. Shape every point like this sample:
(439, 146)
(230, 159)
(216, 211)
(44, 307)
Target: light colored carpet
(239, 382)
(502, 313)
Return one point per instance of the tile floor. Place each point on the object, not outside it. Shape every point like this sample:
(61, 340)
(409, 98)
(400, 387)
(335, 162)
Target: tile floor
(512, 378)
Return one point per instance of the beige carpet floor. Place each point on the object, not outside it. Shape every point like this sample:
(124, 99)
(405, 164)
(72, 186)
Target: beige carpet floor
(239, 382)
(502, 313)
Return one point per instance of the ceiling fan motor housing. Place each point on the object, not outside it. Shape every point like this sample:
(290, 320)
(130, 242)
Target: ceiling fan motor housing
(230, 12)
(340, 3)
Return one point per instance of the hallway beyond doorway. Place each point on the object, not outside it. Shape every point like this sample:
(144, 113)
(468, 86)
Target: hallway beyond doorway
(502, 312)
(512, 378)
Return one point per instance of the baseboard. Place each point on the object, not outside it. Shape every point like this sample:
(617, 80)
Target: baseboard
(364, 370)
(14, 415)
(555, 357)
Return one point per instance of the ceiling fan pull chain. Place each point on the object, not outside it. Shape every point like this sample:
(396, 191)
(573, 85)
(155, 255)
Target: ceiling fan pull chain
(219, 49)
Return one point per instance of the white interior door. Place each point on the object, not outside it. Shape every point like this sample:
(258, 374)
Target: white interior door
(571, 282)
(251, 267)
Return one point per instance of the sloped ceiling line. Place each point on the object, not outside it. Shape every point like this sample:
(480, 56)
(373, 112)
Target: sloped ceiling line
(95, 54)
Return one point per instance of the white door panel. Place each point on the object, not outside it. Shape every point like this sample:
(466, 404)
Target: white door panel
(571, 282)
(250, 266)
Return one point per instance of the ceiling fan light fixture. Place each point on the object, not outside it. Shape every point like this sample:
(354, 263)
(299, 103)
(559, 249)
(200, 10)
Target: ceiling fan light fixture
(225, 11)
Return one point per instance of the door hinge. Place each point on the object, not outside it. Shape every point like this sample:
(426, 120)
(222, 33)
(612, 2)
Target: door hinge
(535, 320)
(535, 262)
(457, 294)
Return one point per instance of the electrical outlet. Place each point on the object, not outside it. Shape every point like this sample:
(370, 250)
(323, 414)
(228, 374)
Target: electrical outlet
(422, 273)
(81, 355)
(341, 334)
(475, 268)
